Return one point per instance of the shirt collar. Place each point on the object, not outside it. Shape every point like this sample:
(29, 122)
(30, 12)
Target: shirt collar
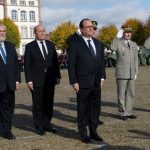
(85, 38)
(38, 41)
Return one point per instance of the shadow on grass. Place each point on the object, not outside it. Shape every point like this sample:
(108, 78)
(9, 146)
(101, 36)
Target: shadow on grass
(113, 104)
(24, 122)
(144, 134)
(69, 105)
(66, 132)
(59, 115)
(111, 147)
(22, 106)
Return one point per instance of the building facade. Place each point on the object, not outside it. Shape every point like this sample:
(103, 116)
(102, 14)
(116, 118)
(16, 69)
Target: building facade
(25, 14)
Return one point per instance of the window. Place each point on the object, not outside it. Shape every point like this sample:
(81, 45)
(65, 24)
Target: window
(14, 15)
(22, 3)
(32, 15)
(24, 32)
(23, 16)
(13, 2)
(32, 32)
(31, 3)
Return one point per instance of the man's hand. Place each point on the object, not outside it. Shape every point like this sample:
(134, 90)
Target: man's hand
(76, 87)
(57, 81)
(17, 85)
(135, 77)
(102, 83)
(30, 85)
(120, 33)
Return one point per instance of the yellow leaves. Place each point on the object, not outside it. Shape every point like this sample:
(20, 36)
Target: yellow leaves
(12, 34)
(107, 33)
(61, 33)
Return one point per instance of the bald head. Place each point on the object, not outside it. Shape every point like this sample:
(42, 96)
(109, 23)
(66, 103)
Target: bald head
(39, 32)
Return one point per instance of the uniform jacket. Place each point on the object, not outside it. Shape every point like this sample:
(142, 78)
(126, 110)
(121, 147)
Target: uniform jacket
(9, 73)
(37, 69)
(83, 67)
(127, 58)
(147, 43)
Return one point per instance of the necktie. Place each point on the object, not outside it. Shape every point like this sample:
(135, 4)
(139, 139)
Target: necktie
(44, 50)
(128, 44)
(3, 54)
(91, 48)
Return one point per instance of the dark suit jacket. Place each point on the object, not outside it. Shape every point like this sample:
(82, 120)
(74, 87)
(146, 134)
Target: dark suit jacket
(9, 73)
(84, 68)
(72, 38)
(35, 65)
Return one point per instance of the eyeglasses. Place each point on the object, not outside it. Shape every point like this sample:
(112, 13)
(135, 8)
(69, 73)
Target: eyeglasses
(88, 26)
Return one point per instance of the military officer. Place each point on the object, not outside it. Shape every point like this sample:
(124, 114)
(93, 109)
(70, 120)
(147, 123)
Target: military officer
(126, 71)
(94, 28)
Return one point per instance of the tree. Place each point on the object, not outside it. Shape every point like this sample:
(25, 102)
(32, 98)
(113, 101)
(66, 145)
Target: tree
(107, 34)
(12, 34)
(138, 30)
(61, 33)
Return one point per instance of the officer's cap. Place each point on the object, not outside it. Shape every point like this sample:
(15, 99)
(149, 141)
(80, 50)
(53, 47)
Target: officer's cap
(94, 24)
(127, 28)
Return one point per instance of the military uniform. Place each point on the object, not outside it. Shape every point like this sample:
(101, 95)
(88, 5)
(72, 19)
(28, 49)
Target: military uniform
(126, 72)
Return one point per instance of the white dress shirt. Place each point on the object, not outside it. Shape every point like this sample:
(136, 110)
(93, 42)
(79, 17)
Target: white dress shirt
(40, 46)
(3, 46)
(91, 41)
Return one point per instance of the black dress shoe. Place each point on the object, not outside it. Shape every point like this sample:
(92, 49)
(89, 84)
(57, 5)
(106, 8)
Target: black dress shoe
(9, 136)
(83, 135)
(123, 118)
(50, 129)
(96, 137)
(85, 139)
(40, 132)
(132, 117)
(101, 122)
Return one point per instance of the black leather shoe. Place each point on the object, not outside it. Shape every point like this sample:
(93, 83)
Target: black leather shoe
(132, 117)
(123, 118)
(101, 122)
(96, 137)
(9, 136)
(50, 129)
(85, 139)
(40, 132)
(83, 135)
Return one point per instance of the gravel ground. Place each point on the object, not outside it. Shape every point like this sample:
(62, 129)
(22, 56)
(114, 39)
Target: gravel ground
(118, 135)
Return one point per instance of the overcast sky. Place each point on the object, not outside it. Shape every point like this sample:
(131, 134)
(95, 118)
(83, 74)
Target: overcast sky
(53, 12)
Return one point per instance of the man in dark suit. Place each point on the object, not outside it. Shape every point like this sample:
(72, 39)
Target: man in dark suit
(94, 36)
(42, 73)
(9, 82)
(86, 74)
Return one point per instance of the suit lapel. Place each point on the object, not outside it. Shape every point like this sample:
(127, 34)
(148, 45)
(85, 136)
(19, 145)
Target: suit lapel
(97, 48)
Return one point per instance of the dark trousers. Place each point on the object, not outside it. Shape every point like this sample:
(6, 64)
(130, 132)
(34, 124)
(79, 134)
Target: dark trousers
(42, 108)
(88, 108)
(7, 103)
